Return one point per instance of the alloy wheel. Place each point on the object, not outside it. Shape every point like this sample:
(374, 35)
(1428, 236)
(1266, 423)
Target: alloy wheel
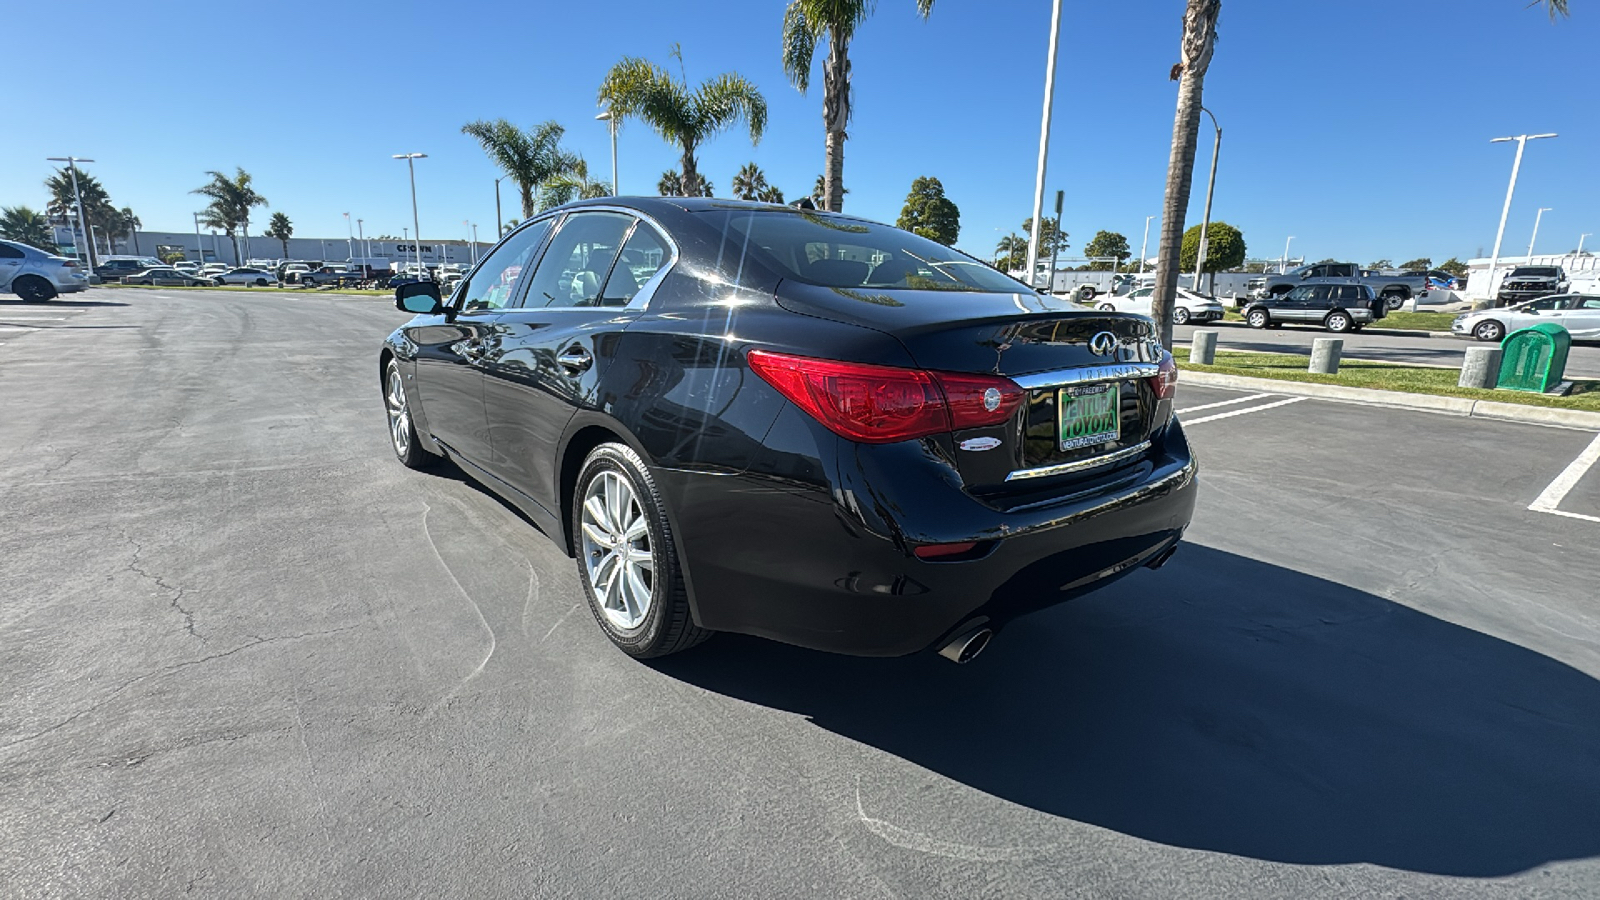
(399, 413)
(617, 554)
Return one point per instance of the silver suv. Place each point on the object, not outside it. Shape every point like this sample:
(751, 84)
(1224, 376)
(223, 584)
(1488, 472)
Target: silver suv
(37, 276)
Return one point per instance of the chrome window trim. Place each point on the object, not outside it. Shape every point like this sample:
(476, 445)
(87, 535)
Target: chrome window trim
(1110, 372)
(641, 300)
(1080, 465)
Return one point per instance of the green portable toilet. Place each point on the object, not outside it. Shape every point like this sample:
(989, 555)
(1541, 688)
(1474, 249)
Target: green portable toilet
(1534, 358)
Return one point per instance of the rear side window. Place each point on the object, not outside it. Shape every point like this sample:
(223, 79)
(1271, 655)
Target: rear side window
(1319, 294)
(642, 257)
(9, 252)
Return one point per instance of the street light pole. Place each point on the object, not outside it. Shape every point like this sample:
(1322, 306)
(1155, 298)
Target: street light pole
(411, 164)
(1581, 237)
(366, 248)
(611, 121)
(349, 239)
(1283, 264)
(1044, 142)
(1516, 166)
(474, 243)
(77, 198)
(1205, 227)
(1145, 244)
(199, 248)
(499, 223)
(1542, 211)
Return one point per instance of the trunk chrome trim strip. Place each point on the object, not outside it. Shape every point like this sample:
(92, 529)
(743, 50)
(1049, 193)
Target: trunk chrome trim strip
(1080, 465)
(1109, 372)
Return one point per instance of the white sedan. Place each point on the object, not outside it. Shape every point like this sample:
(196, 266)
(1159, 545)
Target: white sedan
(1579, 314)
(247, 275)
(1187, 307)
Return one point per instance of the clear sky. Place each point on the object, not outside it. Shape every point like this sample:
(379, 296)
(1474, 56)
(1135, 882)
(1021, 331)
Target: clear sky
(1360, 127)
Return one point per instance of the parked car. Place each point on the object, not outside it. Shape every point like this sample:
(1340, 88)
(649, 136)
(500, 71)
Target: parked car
(187, 265)
(246, 275)
(37, 276)
(1187, 307)
(166, 275)
(290, 274)
(1530, 283)
(1579, 314)
(212, 269)
(400, 278)
(113, 269)
(1336, 307)
(1393, 290)
(794, 424)
(332, 275)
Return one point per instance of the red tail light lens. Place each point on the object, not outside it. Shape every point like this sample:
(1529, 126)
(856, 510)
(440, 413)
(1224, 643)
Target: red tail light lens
(883, 404)
(1165, 383)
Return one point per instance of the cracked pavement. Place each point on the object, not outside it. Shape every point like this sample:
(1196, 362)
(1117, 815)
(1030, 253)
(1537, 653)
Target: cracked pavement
(244, 652)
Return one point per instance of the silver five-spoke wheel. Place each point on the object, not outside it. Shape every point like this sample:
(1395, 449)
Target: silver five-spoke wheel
(616, 550)
(399, 413)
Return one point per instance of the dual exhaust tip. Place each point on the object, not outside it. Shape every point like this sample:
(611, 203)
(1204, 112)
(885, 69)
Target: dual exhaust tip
(965, 646)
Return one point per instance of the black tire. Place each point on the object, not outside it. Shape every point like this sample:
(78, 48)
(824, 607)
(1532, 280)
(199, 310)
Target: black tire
(33, 289)
(1339, 321)
(1106, 307)
(1180, 316)
(221, 283)
(1490, 331)
(667, 627)
(261, 282)
(308, 282)
(1394, 301)
(1257, 318)
(403, 437)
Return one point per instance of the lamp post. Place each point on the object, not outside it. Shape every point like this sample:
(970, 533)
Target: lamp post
(349, 239)
(1044, 142)
(77, 198)
(1283, 264)
(411, 164)
(474, 243)
(1516, 166)
(366, 247)
(610, 119)
(1145, 244)
(199, 248)
(1581, 237)
(1205, 227)
(1542, 211)
(499, 223)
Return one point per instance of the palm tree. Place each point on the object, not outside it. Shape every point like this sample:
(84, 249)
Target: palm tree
(750, 182)
(771, 194)
(1011, 252)
(530, 157)
(805, 23)
(98, 214)
(280, 229)
(1199, 40)
(231, 202)
(570, 186)
(1557, 8)
(819, 192)
(128, 225)
(26, 226)
(639, 89)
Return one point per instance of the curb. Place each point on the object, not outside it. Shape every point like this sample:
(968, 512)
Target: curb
(1385, 332)
(1452, 406)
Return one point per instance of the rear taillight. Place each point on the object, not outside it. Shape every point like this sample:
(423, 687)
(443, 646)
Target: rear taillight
(70, 264)
(883, 404)
(1165, 384)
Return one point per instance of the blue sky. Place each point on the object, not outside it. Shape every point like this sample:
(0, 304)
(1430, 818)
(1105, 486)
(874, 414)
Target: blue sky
(1360, 127)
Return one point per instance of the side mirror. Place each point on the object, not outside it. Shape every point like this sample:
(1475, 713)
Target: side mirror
(421, 297)
(1304, 275)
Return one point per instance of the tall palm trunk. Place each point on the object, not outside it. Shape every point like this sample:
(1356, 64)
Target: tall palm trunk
(690, 167)
(835, 114)
(530, 207)
(1199, 39)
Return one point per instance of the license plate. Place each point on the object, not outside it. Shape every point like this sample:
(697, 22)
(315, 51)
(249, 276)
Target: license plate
(1090, 414)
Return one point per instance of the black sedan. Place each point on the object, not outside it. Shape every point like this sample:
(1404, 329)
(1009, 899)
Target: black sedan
(165, 276)
(752, 418)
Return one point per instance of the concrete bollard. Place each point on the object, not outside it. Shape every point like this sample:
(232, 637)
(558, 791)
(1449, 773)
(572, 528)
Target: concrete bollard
(1325, 356)
(1203, 348)
(1482, 368)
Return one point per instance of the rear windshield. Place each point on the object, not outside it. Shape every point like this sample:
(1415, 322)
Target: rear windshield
(1537, 272)
(849, 253)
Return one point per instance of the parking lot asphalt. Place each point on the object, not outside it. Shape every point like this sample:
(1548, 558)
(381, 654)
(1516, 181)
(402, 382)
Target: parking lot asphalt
(1582, 362)
(244, 651)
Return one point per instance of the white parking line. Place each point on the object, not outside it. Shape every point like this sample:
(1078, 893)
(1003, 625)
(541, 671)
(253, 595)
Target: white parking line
(1240, 412)
(1566, 481)
(1191, 409)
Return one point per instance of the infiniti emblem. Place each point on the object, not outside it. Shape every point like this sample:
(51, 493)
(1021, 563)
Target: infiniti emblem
(1104, 344)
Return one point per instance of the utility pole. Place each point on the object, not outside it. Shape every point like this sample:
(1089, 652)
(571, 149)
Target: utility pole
(610, 119)
(349, 239)
(1044, 142)
(77, 199)
(411, 163)
(1511, 189)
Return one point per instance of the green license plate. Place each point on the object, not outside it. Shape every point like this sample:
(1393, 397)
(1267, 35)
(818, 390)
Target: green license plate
(1090, 414)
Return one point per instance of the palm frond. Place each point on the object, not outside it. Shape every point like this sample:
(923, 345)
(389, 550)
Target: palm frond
(640, 89)
(727, 99)
(799, 45)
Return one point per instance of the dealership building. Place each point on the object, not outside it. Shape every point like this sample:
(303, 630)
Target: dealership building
(219, 248)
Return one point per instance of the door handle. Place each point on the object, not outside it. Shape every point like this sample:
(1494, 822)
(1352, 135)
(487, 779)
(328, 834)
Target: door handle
(472, 350)
(575, 359)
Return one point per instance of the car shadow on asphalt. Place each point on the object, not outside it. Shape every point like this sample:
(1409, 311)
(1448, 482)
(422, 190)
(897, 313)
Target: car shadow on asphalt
(1234, 706)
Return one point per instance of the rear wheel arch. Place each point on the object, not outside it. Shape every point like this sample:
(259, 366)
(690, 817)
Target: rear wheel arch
(574, 450)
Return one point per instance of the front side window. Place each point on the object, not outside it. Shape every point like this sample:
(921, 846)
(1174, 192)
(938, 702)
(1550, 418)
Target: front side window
(492, 286)
(574, 269)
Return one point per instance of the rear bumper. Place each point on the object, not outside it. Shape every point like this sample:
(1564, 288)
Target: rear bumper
(829, 566)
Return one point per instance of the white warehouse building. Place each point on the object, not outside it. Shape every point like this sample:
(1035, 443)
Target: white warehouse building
(219, 248)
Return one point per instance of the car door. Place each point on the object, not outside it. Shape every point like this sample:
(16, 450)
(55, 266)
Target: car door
(450, 347)
(550, 354)
(1583, 317)
(11, 262)
(1139, 301)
